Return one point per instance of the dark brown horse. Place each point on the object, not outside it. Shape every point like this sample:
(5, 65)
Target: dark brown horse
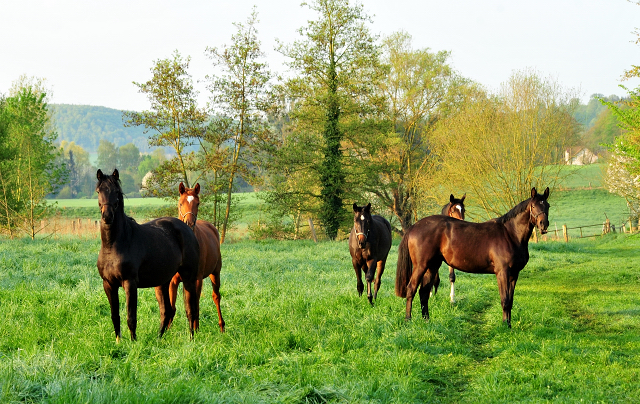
(143, 256)
(455, 209)
(499, 246)
(209, 241)
(369, 245)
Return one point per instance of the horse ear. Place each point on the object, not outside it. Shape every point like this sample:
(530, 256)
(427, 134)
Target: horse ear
(355, 207)
(533, 192)
(116, 174)
(546, 193)
(367, 208)
(451, 198)
(197, 188)
(181, 188)
(99, 175)
(463, 196)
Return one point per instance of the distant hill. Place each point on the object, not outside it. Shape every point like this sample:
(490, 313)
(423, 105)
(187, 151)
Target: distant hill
(86, 125)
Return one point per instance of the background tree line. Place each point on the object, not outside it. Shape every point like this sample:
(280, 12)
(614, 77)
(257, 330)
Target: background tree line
(359, 118)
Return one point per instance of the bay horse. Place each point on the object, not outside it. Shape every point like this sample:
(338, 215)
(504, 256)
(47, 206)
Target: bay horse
(369, 245)
(455, 208)
(209, 241)
(145, 255)
(499, 246)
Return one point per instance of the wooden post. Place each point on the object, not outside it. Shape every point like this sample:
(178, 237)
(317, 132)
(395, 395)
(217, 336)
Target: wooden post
(607, 226)
(313, 231)
(580, 232)
(73, 226)
(565, 233)
(535, 235)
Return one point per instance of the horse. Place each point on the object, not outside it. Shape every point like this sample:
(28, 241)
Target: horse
(369, 245)
(499, 246)
(209, 241)
(455, 208)
(145, 255)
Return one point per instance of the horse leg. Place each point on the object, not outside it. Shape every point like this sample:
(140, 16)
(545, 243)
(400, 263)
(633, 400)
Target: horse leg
(369, 278)
(215, 284)
(513, 278)
(173, 294)
(358, 269)
(412, 287)
(191, 304)
(378, 280)
(436, 284)
(506, 296)
(131, 293)
(112, 295)
(166, 311)
(452, 279)
(428, 280)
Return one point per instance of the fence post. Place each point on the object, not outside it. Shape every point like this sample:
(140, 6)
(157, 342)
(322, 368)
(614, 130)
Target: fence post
(535, 235)
(313, 231)
(607, 226)
(565, 233)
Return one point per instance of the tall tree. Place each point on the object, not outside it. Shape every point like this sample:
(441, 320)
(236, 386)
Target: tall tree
(338, 65)
(238, 100)
(107, 155)
(419, 90)
(35, 169)
(495, 148)
(174, 120)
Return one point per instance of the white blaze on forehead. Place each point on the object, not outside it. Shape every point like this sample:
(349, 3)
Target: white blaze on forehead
(190, 198)
(459, 208)
(361, 217)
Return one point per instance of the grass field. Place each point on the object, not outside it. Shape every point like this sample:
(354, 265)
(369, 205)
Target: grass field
(298, 333)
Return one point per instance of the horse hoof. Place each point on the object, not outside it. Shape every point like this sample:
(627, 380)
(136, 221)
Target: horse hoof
(118, 339)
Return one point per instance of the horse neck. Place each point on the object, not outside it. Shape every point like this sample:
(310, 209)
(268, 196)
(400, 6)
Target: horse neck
(445, 209)
(520, 227)
(114, 232)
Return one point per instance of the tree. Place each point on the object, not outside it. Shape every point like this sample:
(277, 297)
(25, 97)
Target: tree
(496, 148)
(238, 100)
(419, 90)
(33, 171)
(82, 174)
(338, 65)
(107, 156)
(128, 158)
(174, 120)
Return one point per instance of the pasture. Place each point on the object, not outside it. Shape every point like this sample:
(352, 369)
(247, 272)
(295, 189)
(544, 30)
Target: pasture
(297, 332)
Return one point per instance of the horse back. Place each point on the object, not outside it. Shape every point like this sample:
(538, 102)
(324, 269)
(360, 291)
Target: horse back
(169, 246)
(209, 242)
(466, 246)
(383, 233)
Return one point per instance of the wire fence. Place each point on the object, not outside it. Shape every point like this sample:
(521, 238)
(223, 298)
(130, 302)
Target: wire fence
(565, 233)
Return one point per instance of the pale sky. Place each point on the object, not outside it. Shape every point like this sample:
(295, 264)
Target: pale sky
(91, 51)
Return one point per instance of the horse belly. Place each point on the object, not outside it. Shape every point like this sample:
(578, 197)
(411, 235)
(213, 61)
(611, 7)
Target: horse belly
(158, 269)
(209, 254)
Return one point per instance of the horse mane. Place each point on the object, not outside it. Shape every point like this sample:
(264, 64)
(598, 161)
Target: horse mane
(445, 209)
(515, 211)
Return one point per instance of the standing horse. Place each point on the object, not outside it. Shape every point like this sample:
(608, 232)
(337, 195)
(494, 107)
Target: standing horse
(455, 209)
(499, 246)
(209, 241)
(145, 255)
(369, 245)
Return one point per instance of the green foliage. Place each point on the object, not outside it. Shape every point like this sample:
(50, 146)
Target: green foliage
(238, 132)
(86, 125)
(298, 332)
(174, 121)
(604, 131)
(31, 168)
(338, 62)
(628, 113)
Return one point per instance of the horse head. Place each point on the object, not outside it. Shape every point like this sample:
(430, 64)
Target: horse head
(188, 203)
(456, 207)
(539, 210)
(109, 195)
(362, 223)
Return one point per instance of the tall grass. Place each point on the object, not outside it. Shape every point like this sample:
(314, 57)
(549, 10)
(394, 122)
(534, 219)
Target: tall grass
(297, 332)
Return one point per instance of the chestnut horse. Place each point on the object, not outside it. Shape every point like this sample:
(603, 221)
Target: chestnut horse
(369, 245)
(499, 246)
(209, 240)
(455, 209)
(145, 255)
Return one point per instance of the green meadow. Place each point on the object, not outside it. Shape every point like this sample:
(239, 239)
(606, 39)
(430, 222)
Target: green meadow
(297, 331)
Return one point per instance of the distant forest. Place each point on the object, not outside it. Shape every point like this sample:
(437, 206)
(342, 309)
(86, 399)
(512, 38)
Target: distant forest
(86, 125)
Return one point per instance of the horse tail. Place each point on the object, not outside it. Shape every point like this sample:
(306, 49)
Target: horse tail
(404, 268)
